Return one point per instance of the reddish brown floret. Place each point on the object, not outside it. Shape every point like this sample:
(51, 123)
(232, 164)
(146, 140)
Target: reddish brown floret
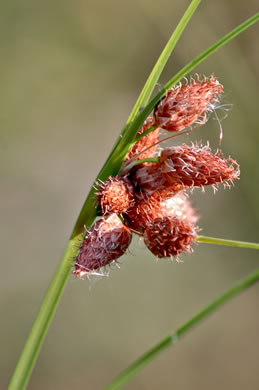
(148, 208)
(147, 142)
(170, 236)
(116, 195)
(186, 105)
(144, 211)
(148, 178)
(106, 241)
(196, 166)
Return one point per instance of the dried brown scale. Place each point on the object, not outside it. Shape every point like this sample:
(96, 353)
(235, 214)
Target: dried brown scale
(148, 208)
(106, 241)
(196, 166)
(145, 143)
(116, 195)
(170, 236)
(186, 105)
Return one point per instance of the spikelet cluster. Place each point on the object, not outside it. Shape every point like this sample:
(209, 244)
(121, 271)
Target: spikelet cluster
(151, 198)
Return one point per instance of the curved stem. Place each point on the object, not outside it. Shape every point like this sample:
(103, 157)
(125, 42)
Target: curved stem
(175, 336)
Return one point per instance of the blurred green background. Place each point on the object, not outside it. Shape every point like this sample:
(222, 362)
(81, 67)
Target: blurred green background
(70, 74)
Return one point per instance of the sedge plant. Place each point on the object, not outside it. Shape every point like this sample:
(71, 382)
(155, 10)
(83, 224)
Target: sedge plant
(112, 167)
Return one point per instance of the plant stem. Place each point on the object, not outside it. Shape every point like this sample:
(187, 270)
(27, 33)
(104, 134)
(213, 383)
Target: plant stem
(221, 241)
(152, 128)
(29, 354)
(175, 336)
(132, 164)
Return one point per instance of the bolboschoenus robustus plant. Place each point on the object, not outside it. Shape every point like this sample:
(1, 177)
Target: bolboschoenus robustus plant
(145, 188)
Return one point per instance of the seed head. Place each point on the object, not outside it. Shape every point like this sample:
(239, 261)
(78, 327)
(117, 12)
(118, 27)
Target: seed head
(116, 195)
(145, 143)
(186, 105)
(148, 208)
(106, 241)
(196, 166)
(170, 236)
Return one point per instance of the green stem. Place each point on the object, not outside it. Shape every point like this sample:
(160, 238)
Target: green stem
(132, 164)
(221, 241)
(152, 128)
(175, 336)
(29, 354)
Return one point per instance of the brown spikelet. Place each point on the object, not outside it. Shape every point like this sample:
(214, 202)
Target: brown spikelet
(148, 142)
(144, 211)
(148, 208)
(186, 105)
(116, 195)
(148, 178)
(196, 166)
(170, 236)
(106, 241)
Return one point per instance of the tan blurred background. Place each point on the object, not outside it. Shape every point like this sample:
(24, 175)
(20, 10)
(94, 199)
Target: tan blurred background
(70, 74)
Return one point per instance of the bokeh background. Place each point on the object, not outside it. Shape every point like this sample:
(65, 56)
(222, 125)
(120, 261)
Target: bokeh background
(70, 74)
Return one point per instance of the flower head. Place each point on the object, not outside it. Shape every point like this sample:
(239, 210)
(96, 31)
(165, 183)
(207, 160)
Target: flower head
(186, 105)
(106, 241)
(197, 166)
(170, 236)
(116, 195)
